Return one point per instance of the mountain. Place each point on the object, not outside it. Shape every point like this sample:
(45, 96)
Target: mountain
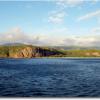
(12, 44)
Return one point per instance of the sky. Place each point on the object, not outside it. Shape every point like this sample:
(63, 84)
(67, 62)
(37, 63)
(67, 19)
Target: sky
(50, 22)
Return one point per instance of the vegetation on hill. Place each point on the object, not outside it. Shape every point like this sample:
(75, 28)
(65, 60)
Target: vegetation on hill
(29, 51)
(82, 53)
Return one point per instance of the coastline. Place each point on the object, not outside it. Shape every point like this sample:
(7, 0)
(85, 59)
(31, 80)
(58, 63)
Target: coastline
(52, 58)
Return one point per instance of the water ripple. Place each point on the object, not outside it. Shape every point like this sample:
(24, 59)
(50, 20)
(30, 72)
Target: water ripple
(50, 77)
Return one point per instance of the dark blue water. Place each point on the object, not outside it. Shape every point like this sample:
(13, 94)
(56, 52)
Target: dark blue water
(41, 77)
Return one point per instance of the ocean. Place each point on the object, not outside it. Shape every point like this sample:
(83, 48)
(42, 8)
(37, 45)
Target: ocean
(50, 77)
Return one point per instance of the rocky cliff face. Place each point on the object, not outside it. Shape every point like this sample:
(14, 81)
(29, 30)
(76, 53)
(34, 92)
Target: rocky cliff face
(30, 52)
(24, 53)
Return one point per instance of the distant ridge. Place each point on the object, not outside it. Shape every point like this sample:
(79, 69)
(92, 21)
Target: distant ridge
(55, 47)
(74, 47)
(13, 44)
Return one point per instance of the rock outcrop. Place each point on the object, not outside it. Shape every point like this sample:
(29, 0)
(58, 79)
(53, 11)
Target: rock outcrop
(29, 52)
(24, 53)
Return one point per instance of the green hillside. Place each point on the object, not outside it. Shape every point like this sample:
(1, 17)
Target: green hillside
(29, 51)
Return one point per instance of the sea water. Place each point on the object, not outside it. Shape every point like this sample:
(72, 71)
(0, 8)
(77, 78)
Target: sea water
(50, 77)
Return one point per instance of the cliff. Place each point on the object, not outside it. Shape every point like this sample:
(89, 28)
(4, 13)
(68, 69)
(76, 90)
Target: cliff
(27, 51)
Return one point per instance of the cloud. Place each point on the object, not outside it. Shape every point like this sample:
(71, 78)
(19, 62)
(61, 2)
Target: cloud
(74, 3)
(16, 35)
(69, 41)
(69, 3)
(85, 41)
(89, 15)
(95, 30)
(56, 17)
(15, 30)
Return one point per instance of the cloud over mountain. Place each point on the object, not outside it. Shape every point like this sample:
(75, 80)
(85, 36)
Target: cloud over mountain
(16, 35)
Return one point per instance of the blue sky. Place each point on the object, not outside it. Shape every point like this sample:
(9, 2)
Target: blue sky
(46, 22)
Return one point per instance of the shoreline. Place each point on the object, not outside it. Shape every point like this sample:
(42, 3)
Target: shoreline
(52, 58)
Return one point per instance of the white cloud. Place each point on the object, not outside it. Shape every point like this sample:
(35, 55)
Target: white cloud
(90, 15)
(85, 41)
(56, 17)
(69, 3)
(95, 31)
(74, 3)
(15, 30)
(16, 35)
